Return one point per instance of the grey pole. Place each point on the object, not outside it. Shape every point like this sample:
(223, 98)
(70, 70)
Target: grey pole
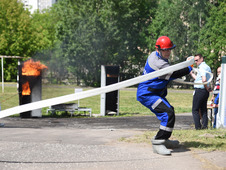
(221, 115)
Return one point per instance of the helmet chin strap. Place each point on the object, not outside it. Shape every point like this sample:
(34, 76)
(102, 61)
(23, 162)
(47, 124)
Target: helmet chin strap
(160, 52)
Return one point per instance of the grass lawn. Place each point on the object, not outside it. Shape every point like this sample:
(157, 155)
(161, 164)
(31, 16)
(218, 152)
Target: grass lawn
(209, 140)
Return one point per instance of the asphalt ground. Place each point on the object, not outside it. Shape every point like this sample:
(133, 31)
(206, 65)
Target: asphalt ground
(93, 143)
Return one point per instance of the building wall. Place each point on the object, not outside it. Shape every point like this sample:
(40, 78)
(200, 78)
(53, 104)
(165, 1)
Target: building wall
(33, 5)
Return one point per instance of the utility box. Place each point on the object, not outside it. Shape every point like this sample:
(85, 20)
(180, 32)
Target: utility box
(109, 101)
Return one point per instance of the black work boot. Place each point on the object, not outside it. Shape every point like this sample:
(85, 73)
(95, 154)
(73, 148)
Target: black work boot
(172, 144)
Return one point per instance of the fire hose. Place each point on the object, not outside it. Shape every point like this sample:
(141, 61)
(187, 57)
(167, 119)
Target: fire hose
(181, 81)
(93, 92)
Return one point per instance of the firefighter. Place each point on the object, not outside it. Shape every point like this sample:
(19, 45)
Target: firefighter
(152, 94)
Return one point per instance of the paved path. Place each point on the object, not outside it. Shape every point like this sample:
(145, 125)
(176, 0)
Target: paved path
(93, 144)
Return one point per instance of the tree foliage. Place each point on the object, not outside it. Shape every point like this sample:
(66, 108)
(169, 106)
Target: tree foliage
(182, 22)
(20, 35)
(96, 33)
(212, 38)
(76, 37)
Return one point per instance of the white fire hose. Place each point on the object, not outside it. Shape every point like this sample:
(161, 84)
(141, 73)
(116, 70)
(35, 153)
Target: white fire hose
(192, 83)
(94, 92)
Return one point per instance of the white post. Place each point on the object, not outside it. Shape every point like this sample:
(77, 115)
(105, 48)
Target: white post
(221, 115)
(2, 77)
(103, 95)
(77, 90)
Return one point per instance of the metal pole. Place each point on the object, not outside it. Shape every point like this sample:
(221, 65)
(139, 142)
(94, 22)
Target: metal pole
(2, 77)
(221, 115)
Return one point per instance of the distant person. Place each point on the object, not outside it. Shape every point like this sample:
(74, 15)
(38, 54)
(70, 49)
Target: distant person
(201, 93)
(215, 94)
(217, 85)
(216, 100)
(152, 93)
(215, 106)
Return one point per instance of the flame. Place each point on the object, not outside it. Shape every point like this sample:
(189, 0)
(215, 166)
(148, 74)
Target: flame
(31, 68)
(26, 89)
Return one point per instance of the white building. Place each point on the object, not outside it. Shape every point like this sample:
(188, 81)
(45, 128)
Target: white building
(33, 5)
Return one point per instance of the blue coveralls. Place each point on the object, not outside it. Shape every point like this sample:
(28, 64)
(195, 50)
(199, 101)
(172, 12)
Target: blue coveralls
(152, 93)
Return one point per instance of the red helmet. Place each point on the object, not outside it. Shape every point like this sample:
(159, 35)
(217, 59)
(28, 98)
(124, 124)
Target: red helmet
(164, 43)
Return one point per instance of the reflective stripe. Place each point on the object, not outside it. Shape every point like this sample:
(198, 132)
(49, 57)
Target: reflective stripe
(166, 128)
(156, 103)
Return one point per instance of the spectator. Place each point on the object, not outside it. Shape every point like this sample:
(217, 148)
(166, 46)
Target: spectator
(216, 100)
(217, 85)
(215, 93)
(201, 93)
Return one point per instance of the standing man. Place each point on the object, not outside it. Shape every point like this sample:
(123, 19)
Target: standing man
(152, 93)
(201, 93)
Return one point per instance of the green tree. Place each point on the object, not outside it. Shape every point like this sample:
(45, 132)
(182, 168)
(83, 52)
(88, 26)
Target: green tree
(130, 20)
(63, 57)
(182, 22)
(167, 21)
(195, 14)
(96, 33)
(51, 55)
(19, 35)
(44, 28)
(212, 38)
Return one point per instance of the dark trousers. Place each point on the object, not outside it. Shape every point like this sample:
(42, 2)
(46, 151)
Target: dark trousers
(200, 105)
(164, 112)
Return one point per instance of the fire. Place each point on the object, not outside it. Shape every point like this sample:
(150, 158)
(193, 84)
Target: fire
(31, 68)
(26, 89)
